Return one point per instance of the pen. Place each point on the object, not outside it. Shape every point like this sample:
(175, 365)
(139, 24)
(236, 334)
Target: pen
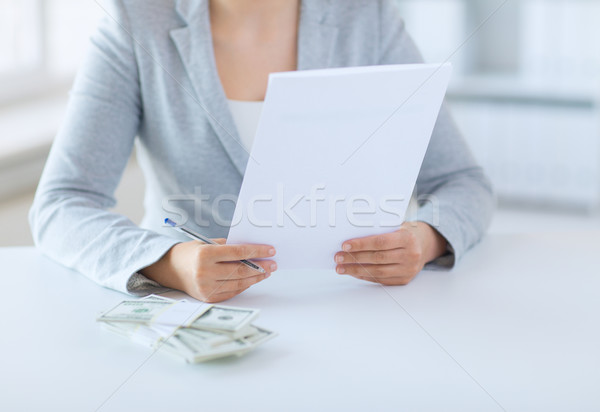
(197, 236)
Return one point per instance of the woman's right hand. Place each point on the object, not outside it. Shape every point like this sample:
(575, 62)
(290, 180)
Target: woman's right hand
(211, 273)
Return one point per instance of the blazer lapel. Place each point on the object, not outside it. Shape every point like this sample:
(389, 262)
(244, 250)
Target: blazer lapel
(194, 44)
(316, 39)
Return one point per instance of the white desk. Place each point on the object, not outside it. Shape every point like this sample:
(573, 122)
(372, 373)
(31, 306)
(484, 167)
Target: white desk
(521, 315)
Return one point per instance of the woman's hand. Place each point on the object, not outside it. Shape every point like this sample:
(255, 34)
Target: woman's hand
(211, 273)
(393, 258)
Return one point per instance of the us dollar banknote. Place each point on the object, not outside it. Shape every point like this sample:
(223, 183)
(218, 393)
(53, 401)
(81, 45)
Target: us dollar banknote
(211, 332)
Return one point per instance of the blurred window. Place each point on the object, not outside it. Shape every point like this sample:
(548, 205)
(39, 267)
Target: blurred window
(21, 47)
(540, 40)
(42, 43)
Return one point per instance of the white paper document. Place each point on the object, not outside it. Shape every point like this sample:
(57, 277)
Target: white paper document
(336, 156)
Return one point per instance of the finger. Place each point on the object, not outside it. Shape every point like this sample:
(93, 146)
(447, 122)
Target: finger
(237, 270)
(220, 241)
(269, 266)
(379, 257)
(395, 281)
(228, 253)
(394, 240)
(370, 271)
(239, 284)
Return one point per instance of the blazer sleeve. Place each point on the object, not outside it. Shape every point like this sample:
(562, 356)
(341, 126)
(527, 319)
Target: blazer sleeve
(453, 193)
(69, 218)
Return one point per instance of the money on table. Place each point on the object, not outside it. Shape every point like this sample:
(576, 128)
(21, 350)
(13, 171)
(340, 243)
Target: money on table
(224, 318)
(142, 311)
(203, 332)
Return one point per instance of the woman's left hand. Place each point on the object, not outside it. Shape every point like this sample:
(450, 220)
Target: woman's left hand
(392, 258)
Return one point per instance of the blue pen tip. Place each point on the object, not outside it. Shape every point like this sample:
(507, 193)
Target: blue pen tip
(170, 222)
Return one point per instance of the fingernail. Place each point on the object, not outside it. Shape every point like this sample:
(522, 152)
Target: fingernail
(347, 247)
(271, 252)
(341, 269)
(273, 267)
(339, 258)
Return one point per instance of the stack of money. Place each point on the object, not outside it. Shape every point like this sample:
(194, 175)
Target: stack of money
(194, 332)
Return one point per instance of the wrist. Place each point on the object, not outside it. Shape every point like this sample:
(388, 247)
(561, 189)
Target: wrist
(165, 270)
(433, 244)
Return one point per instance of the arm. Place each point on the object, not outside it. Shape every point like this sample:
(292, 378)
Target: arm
(69, 218)
(455, 197)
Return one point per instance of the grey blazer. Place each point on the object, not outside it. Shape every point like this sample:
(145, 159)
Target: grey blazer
(150, 72)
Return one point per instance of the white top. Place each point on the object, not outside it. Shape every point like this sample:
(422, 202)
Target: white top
(246, 116)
